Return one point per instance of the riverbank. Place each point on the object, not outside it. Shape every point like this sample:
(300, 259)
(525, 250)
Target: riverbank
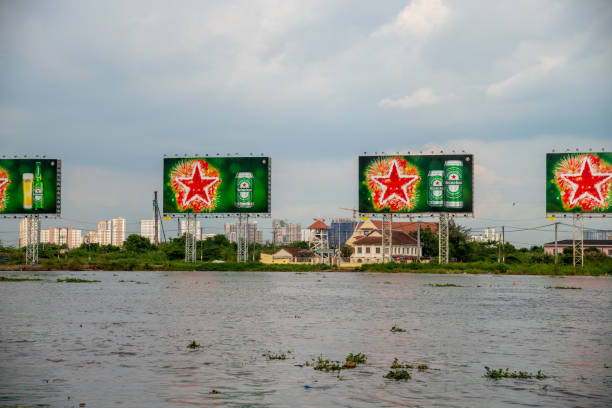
(451, 268)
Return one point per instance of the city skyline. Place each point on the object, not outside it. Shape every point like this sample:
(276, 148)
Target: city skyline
(112, 89)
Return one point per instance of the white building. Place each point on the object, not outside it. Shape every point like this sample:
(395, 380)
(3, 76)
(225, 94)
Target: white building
(285, 232)
(70, 237)
(368, 249)
(306, 235)
(487, 236)
(147, 230)
(111, 232)
(254, 235)
(195, 228)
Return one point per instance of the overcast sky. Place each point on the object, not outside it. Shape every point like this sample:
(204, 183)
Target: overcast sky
(111, 86)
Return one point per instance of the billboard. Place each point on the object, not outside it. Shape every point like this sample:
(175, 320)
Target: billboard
(416, 184)
(579, 183)
(30, 186)
(216, 185)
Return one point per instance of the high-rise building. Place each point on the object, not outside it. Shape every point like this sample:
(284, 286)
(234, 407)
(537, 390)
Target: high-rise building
(285, 232)
(91, 237)
(23, 231)
(111, 232)
(340, 230)
(117, 231)
(147, 230)
(194, 228)
(70, 237)
(253, 234)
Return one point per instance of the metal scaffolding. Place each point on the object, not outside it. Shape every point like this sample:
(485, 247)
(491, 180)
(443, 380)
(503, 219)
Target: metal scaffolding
(190, 239)
(319, 242)
(578, 239)
(387, 237)
(443, 238)
(242, 238)
(32, 238)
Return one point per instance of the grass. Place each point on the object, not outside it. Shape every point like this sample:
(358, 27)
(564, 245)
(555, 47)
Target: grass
(6, 279)
(444, 285)
(563, 287)
(396, 329)
(500, 373)
(193, 345)
(76, 280)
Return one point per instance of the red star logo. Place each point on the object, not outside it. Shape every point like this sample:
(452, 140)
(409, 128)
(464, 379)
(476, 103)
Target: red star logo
(586, 183)
(197, 186)
(3, 181)
(394, 184)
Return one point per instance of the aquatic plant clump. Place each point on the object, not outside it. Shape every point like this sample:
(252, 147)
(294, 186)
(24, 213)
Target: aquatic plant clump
(444, 285)
(327, 365)
(76, 280)
(398, 375)
(396, 329)
(358, 358)
(193, 345)
(563, 287)
(7, 279)
(500, 373)
(279, 356)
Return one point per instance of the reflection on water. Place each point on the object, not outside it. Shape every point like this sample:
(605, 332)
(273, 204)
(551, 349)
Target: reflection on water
(124, 343)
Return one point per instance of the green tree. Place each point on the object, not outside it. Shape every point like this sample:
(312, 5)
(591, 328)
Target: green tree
(137, 243)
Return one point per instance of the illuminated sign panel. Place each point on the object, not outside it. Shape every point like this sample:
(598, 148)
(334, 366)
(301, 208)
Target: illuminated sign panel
(416, 184)
(579, 183)
(217, 185)
(29, 186)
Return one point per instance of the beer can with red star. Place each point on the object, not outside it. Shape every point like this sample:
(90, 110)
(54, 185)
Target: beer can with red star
(453, 184)
(435, 183)
(244, 190)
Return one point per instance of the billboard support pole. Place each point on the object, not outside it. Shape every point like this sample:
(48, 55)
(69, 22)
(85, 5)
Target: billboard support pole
(578, 239)
(190, 239)
(387, 237)
(242, 238)
(443, 239)
(419, 242)
(556, 248)
(32, 239)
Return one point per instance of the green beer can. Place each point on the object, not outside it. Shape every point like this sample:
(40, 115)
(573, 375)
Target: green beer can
(453, 184)
(435, 182)
(244, 190)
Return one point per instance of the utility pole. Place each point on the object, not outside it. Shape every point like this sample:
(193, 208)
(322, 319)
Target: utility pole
(419, 242)
(156, 220)
(503, 246)
(556, 249)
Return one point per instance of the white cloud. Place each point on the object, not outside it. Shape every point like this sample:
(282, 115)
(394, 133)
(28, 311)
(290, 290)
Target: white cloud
(419, 18)
(525, 77)
(420, 97)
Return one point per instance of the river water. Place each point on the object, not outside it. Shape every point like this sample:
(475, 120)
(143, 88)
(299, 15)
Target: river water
(114, 343)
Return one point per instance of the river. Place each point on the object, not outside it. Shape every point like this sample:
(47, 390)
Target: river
(122, 341)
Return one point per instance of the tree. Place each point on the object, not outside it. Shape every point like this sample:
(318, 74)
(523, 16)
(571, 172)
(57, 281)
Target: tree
(429, 241)
(137, 243)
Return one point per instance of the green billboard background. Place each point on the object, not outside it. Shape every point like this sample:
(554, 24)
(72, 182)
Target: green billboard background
(12, 199)
(206, 185)
(412, 194)
(579, 183)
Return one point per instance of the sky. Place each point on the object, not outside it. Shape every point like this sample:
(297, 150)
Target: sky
(110, 87)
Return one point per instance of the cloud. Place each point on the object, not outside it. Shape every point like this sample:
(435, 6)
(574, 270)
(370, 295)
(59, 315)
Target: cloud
(525, 77)
(420, 97)
(419, 18)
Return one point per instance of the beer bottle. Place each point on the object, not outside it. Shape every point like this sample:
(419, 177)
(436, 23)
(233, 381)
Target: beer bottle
(38, 188)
